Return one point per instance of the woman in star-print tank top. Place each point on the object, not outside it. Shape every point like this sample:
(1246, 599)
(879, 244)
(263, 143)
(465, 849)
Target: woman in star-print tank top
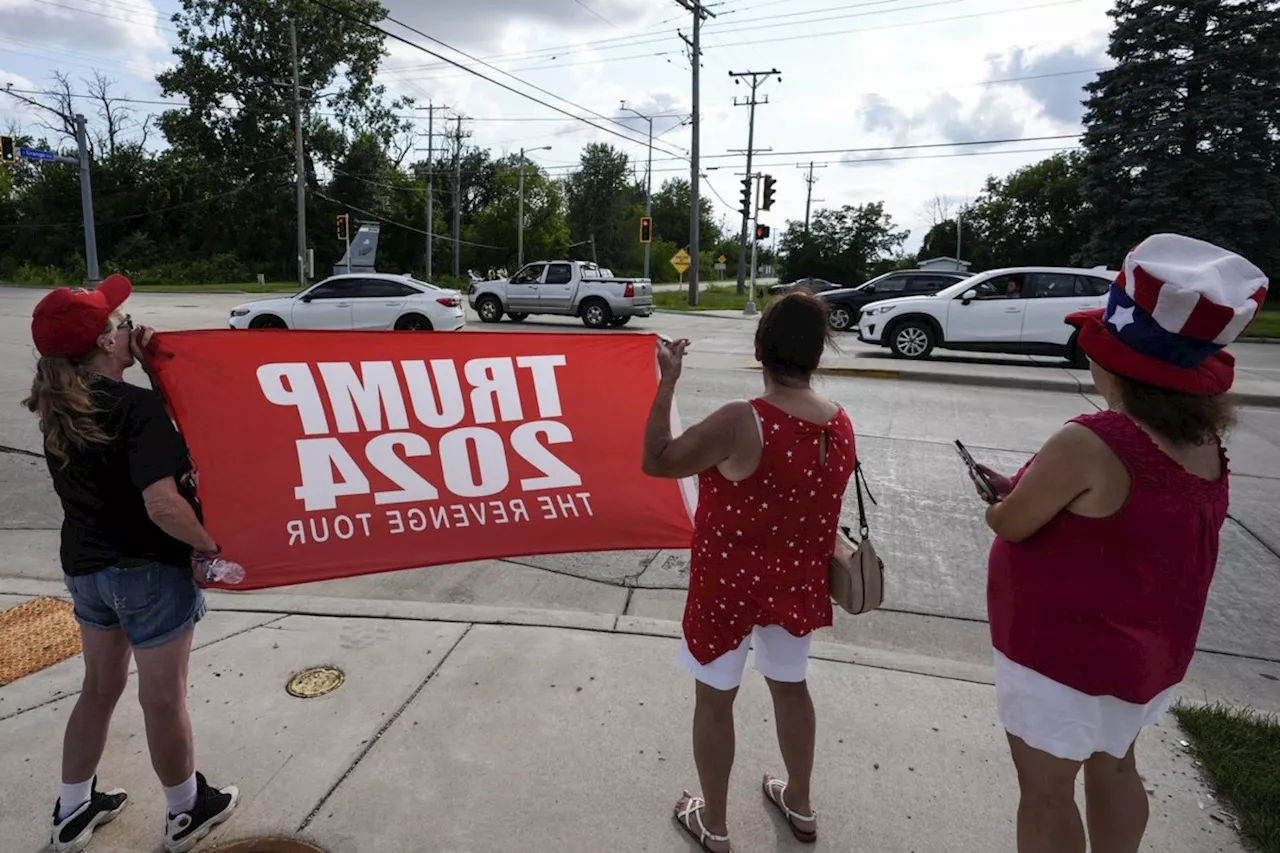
(772, 473)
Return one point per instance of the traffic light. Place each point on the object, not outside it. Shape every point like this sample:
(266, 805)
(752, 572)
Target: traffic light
(762, 232)
(769, 182)
(8, 149)
(745, 210)
(646, 229)
(344, 229)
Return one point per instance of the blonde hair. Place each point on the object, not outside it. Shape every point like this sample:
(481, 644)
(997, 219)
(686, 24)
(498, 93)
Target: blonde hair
(62, 397)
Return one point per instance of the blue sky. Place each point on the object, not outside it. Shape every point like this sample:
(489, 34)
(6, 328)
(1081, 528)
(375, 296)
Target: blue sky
(870, 74)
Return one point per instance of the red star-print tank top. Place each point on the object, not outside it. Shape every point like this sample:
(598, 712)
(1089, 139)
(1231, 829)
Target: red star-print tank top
(761, 547)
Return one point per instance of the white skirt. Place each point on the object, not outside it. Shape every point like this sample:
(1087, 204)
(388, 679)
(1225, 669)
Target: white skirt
(1064, 722)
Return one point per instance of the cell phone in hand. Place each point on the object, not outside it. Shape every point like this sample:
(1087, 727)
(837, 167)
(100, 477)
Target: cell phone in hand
(989, 493)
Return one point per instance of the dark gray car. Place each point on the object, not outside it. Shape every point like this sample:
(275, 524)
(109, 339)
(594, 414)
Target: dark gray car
(847, 304)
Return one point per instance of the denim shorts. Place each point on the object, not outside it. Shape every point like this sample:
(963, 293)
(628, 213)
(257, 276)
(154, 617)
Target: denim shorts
(153, 604)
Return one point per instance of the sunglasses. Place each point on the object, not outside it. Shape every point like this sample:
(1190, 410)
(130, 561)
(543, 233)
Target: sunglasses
(126, 323)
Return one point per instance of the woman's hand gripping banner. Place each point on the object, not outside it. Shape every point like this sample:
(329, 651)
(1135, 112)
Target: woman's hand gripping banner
(333, 454)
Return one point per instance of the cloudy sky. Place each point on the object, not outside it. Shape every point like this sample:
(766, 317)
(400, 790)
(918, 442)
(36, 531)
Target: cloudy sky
(872, 91)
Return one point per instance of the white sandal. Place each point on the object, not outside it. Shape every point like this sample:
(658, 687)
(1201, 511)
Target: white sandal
(775, 791)
(693, 808)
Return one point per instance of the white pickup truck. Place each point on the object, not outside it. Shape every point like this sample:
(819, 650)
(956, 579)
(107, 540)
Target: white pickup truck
(568, 288)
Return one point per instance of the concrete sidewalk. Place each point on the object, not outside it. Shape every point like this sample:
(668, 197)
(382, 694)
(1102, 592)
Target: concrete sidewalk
(488, 729)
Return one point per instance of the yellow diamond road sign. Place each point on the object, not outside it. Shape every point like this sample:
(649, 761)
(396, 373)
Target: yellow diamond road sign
(680, 260)
(721, 259)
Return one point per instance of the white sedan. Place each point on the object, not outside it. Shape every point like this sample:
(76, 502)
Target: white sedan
(361, 302)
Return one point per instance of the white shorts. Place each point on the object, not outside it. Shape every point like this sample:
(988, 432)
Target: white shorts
(779, 656)
(1064, 722)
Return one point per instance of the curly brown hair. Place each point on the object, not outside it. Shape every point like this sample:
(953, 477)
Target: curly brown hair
(1182, 418)
(62, 397)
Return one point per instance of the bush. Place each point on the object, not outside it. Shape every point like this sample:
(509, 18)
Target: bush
(47, 276)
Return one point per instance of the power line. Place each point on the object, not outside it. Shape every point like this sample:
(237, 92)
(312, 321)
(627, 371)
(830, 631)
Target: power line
(381, 218)
(388, 34)
(131, 216)
(505, 73)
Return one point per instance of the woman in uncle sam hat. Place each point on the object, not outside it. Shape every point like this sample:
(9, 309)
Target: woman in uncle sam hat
(1106, 542)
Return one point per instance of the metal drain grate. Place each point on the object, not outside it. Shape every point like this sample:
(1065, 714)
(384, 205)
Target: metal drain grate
(316, 681)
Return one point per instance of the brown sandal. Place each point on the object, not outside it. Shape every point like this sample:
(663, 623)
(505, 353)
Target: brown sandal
(775, 791)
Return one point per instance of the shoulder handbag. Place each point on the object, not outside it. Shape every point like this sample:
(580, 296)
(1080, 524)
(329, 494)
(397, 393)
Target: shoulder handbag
(856, 572)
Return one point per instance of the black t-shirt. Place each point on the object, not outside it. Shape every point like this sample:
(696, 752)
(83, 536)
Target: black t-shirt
(106, 522)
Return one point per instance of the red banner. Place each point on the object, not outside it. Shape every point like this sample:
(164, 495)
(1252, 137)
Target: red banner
(333, 454)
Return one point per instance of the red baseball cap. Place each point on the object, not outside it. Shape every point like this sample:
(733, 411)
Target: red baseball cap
(69, 321)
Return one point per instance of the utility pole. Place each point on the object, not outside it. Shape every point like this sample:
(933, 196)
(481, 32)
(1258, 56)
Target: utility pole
(756, 78)
(86, 204)
(700, 14)
(431, 177)
(648, 186)
(520, 212)
(299, 165)
(457, 200)
(959, 229)
(808, 199)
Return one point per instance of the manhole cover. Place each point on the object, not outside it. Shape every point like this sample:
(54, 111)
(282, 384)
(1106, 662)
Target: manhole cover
(268, 845)
(316, 681)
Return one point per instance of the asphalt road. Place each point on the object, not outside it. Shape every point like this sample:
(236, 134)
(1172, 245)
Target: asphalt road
(928, 522)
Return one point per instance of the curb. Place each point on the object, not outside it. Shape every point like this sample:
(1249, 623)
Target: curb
(601, 623)
(693, 312)
(1265, 401)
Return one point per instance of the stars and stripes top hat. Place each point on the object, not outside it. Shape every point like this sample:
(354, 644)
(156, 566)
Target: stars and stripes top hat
(1174, 307)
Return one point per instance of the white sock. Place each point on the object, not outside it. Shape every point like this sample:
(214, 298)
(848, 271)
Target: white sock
(181, 798)
(74, 795)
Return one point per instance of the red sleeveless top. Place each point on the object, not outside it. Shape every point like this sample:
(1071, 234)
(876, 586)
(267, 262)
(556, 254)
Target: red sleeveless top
(761, 547)
(1112, 606)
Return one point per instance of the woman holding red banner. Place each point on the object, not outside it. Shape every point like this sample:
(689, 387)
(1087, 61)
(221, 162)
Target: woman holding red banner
(131, 537)
(1106, 543)
(772, 474)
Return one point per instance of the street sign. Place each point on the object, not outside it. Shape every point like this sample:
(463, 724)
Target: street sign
(721, 260)
(681, 260)
(37, 154)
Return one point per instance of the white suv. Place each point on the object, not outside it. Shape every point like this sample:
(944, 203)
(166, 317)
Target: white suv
(1017, 310)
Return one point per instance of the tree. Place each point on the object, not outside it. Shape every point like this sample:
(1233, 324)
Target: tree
(600, 204)
(843, 244)
(1029, 218)
(671, 205)
(546, 234)
(1183, 134)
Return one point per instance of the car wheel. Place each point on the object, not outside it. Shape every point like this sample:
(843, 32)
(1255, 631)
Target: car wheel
(912, 339)
(596, 314)
(413, 323)
(489, 309)
(619, 321)
(267, 321)
(518, 317)
(841, 318)
(1075, 355)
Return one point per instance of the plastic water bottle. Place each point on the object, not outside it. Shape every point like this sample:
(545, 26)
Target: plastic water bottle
(215, 569)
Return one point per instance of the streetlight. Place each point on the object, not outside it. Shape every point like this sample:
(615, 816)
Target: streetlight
(648, 189)
(520, 214)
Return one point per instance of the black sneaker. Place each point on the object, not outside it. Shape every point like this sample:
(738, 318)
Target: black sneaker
(73, 834)
(213, 806)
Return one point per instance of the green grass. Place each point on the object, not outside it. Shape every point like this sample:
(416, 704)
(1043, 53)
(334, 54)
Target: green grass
(711, 299)
(254, 287)
(1240, 753)
(1267, 324)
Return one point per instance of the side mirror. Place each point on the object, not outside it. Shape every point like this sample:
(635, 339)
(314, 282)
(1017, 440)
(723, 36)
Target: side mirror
(307, 298)
(969, 296)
